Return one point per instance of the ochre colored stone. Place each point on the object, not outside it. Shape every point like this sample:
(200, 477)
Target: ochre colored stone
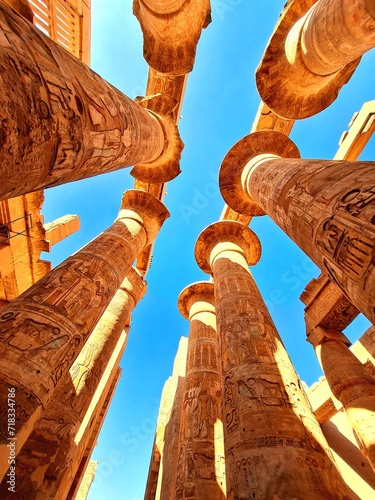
(77, 125)
(201, 470)
(44, 329)
(326, 207)
(313, 51)
(22, 7)
(161, 483)
(87, 480)
(171, 30)
(68, 407)
(350, 383)
(274, 447)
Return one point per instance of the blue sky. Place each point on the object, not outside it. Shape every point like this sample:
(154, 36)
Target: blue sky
(220, 105)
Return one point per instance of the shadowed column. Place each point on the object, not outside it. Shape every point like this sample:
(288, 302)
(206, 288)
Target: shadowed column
(326, 207)
(51, 447)
(61, 122)
(350, 383)
(200, 473)
(274, 447)
(313, 52)
(44, 329)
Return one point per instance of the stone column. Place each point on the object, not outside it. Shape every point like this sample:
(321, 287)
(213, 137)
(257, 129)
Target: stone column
(171, 30)
(326, 207)
(90, 430)
(313, 51)
(87, 481)
(61, 122)
(22, 7)
(44, 329)
(274, 447)
(60, 422)
(350, 383)
(200, 473)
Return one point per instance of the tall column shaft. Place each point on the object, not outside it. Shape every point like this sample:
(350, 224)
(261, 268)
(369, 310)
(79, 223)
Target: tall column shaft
(44, 329)
(90, 428)
(350, 383)
(274, 447)
(69, 405)
(328, 209)
(200, 473)
(61, 122)
(336, 32)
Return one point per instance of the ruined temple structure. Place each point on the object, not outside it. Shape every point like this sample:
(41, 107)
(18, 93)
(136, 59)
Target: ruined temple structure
(235, 420)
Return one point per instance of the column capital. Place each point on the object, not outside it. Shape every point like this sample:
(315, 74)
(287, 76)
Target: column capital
(321, 335)
(167, 165)
(134, 285)
(163, 7)
(144, 208)
(197, 297)
(235, 167)
(233, 234)
(284, 82)
(171, 32)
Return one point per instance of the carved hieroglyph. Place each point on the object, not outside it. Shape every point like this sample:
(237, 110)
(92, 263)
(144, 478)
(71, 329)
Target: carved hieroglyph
(313, 51)
(350, 383)
(274, 447)
(201, 469)
(44, 329)
(66, 410)
(171, 30)
(61, 122)
(326, 207)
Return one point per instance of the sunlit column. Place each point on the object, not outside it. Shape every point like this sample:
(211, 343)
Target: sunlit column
(171, 30)
(61, 122)
(44, 329)
(313, 51)
(326, 207)
(200, 472)
(350, 383)
(274, 447)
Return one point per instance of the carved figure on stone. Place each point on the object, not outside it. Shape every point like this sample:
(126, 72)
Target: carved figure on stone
(349, 252)
(231, 416)
(205, 415)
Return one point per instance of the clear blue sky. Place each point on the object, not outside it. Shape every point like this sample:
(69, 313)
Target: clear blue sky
(220, 105)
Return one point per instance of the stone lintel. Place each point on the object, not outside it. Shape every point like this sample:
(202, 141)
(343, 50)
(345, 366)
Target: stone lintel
(326, 305)
(198, 297)
(320, 335)
(231, 176)
(232, 233)
(61, 228)
(145, 209)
